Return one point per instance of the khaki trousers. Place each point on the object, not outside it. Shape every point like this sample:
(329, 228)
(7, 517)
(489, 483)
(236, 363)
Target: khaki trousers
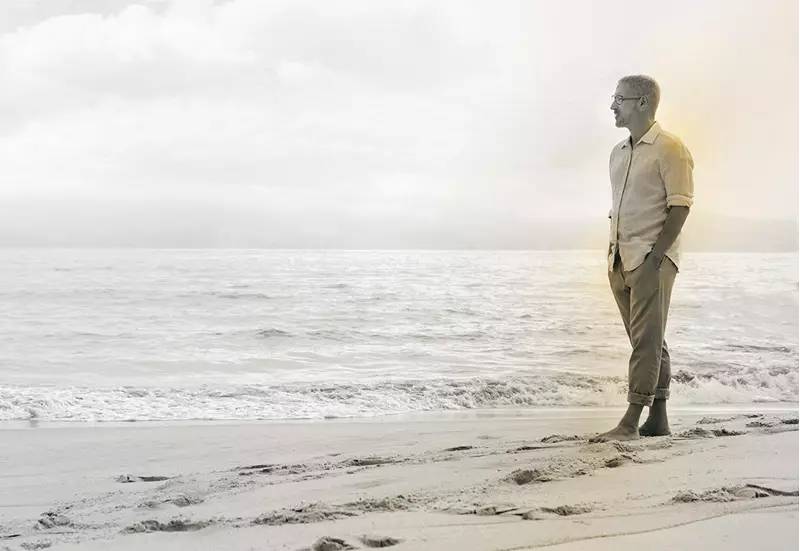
(643, 297)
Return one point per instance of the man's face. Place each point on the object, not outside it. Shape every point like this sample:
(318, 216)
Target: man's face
(628, 108)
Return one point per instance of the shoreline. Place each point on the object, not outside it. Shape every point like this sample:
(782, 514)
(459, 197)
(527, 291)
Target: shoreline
(541, 412)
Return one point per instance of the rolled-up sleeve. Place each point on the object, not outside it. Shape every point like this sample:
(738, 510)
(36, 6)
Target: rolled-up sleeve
(676, 171)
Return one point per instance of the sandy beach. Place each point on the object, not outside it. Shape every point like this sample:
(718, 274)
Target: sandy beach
(325, 276)
(493, 480)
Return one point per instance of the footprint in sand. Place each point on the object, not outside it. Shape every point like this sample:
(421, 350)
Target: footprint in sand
(568, 510)
(526, 476)
(529, 448)
(493, 510)
(378, 541)
(726, 494)
(546, 513)
(273, 469)
(556, 438)
(369, 461)
(304, 515)
(459, 448)
(727, 432)
(326, 543)
(35, 545)
(256, 467)
(150, 504)
(714, 420)
(127, 479)
(175, 525)
(698, 432)
(619, 461)
(185, 500)
(695, 433)
(485, 510)
(624, 448)
(316, 512)
(758, 425)
(396, 503)
(51, 519)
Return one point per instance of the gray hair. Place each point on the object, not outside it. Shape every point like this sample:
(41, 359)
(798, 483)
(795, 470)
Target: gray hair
(643, 85)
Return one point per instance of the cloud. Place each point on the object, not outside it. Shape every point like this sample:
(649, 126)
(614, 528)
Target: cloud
(404, 115)
(233, 72)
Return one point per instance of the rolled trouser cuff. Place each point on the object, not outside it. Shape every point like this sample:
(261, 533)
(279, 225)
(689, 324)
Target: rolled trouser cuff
(640, 399)
(662, 394)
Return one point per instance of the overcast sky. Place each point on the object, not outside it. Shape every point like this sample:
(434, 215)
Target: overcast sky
(322, 123)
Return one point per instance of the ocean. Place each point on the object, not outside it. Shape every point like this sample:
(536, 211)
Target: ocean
(136, 335)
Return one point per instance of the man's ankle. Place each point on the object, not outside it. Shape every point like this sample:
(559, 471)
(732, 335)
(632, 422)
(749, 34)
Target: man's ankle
(659, 406)
(632, 416)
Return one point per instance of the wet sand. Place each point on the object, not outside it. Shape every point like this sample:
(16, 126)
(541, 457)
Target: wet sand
(462, 481)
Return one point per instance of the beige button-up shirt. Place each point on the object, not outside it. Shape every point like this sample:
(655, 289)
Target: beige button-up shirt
(647, 179)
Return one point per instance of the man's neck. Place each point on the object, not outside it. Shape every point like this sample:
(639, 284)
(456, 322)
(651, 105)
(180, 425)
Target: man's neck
(638, 130)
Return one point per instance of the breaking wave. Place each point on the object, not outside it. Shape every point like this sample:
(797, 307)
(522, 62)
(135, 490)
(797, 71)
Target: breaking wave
(250, 402)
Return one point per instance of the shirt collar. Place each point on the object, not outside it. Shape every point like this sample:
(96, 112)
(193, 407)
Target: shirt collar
(649, 137)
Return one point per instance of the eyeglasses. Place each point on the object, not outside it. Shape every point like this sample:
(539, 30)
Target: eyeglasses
(619, 99)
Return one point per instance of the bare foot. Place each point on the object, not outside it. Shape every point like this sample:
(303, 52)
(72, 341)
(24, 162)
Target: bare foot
(627, 429)
(620, 433)
(655, 427)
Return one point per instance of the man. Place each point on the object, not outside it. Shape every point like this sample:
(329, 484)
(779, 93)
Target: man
(652, 190)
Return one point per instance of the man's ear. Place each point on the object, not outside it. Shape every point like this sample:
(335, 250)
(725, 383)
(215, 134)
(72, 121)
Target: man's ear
(643, 101)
